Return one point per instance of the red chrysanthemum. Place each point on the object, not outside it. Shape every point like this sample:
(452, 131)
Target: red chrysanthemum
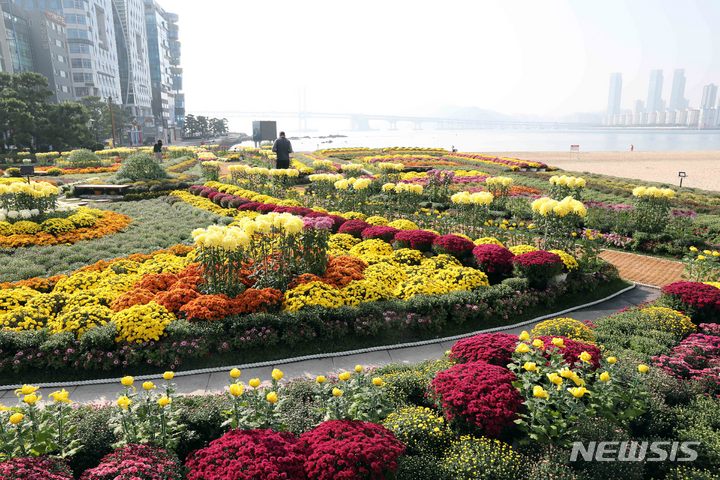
(136, 462)
(34, 468)
(493, 259)
(417, 239)
(493, 348)
(248, 455)
(478, 394)
(347, 449)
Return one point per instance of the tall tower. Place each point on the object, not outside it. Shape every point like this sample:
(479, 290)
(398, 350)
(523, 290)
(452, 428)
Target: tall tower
(654, 97)
(615, 94)
(677, 94)
(709, 96)
(134, 64)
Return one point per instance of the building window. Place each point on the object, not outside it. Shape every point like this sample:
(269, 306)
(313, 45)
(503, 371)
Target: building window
(82, 77)
(63, 74)
(58, 43)
(74, 19)
(102, 28)
(78, 33)
(81, 63)
(61, 59)
(65, 89)
(79, 48)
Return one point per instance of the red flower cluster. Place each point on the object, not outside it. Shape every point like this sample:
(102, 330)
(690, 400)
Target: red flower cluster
(538, 258)
(256, 300)
(479, 394)
(175, 298)
(697, 357)
(34, 468)
(248, 455)
(493, 259)
(454, 245)
(572, 350)
(349, 450)
(136, 462)
(354, 227)
(700, 300)
(493, 348)
(207, 307)
(380, 231)
(417, 239)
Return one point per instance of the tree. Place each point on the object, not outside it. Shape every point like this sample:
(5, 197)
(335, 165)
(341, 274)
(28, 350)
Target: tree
(219, 126)
(66, 127)
(191, 126)
(100, 121)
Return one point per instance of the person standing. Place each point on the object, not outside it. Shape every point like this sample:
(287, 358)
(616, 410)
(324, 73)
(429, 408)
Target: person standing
(157, 150)
(282, 148)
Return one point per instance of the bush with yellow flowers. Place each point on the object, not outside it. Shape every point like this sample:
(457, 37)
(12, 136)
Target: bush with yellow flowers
(568, 260)
(341, 243)
(482, 458)
(56, 226)
(652, 208)
(403, 224)
(30, 430)
(520, 249)
(564, 327)
(79, 319)
(142, 323)
(559, 395)
(361, 291)
(558, 220)
(702, 265)
(377, 220)
(313, 294)
(371, 247)
(566, 186)
(421, 429)
(147, 414)
(667, 320)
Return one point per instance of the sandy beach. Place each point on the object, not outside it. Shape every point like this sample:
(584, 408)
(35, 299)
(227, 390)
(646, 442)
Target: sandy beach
(702, 167)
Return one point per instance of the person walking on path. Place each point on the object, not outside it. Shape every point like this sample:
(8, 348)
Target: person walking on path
(282, 148)
(157, 150)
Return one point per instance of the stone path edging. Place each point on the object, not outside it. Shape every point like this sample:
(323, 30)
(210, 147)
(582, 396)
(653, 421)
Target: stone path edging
(322, 356)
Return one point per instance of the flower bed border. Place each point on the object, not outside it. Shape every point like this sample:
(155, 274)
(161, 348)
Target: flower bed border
(328, 355)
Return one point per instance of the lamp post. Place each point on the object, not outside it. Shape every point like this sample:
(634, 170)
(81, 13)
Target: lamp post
(112, 120)
(682, 175)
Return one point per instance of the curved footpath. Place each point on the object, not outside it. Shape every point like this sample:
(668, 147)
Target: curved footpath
(215, 381)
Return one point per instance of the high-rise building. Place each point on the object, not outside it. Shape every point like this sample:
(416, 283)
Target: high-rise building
(615, 94)
(677, 94)
(93, 53)
(50, 51)
(163, 96)
(134, 66)
(709, 96)
(654, 98)
(177, 71)
(17, 50)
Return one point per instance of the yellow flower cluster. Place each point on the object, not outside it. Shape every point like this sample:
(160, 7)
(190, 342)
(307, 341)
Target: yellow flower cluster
(471, 457)
(360, 291)
(79, 319)
(285, 172)
(408, 188)
(238, 236)
(668, 320)
(403, 224)
(568, 260)
(420, 428)
(568, 181)
(713, 284)
(504, 182)
(352, 167)
(313, 294)
(202, 203)
(477, 198)
(546, 206)
(370, 248)
(351, 215)
(33, 189)
(653, 192)
(390, 167)
(341, 243)
(250, 195)
(377, 220)
(564, 327)
(520, 249)
(325, 177)
(142, 323)
(321, 164)
(488, 241)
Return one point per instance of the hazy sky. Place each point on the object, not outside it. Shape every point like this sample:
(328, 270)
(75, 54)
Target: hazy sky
(541, 57)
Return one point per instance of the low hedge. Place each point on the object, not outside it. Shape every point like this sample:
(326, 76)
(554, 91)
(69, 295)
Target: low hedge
(257, 336)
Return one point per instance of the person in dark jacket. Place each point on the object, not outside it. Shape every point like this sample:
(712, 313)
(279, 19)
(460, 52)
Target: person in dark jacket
(282, 148)
(157, 150)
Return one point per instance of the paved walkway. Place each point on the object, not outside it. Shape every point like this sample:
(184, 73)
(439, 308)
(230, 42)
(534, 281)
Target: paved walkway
(653, 271)
(215, 382)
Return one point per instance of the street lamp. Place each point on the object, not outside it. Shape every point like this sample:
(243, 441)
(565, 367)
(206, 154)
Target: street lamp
(682, 175)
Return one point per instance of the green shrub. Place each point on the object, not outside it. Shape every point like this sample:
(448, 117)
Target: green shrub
(691, 473)
(408, 385)
(421, 429)
(482, 458)
(203, 416)
(632, 331)
(424, 467)
(82, 158)
(55, 226)
(95, 434)
(12, 172)
(551, 469)
(141, 166)
(301, 411)
(25, 227)
(699, 422)
(598, 430)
